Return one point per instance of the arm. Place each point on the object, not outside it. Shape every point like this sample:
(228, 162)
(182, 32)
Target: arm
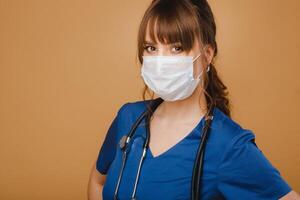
(95, 184)
(292, 195)
(105, 157)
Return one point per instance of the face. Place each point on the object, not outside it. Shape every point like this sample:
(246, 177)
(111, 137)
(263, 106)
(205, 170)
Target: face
(151, 48)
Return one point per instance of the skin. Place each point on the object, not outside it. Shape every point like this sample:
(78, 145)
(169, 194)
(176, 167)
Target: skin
(172, 120)
(95, 184)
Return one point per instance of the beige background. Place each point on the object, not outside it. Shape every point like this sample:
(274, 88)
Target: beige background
(67, 66)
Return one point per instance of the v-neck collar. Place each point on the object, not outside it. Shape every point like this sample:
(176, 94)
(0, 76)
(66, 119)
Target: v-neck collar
(196, 129)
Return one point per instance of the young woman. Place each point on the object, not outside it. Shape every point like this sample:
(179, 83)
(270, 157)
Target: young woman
(177, 47)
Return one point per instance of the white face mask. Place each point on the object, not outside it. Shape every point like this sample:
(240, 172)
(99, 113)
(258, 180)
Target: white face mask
(170, 77)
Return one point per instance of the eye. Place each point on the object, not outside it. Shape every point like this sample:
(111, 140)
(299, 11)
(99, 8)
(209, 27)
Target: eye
(178, 48)
(149, 48)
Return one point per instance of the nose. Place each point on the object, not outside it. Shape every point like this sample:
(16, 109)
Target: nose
(163, 52)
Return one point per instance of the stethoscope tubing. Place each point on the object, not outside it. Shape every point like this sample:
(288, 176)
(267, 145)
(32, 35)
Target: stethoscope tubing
(197, 169)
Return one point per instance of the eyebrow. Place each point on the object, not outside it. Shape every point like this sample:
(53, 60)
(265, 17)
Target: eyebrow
(153, 43)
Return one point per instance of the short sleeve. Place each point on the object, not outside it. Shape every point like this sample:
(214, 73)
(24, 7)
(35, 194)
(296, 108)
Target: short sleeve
(108, 149)
(245, 172)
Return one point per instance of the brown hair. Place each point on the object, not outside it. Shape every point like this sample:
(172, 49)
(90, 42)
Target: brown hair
(183, 21)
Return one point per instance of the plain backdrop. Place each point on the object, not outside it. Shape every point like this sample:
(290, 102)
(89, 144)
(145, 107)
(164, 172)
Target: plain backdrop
(66, 67)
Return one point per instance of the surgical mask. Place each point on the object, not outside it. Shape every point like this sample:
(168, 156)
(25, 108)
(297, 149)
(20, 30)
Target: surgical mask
(170, 77)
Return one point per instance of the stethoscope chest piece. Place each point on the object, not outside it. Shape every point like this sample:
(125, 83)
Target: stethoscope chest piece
(122, 142)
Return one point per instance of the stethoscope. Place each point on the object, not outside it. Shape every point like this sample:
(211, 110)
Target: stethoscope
(197, 169)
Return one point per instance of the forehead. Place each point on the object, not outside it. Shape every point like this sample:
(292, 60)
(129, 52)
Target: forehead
(154, 40)
(168, 32)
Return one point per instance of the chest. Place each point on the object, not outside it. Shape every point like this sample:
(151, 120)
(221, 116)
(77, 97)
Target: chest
(170, 171)
(166, 134)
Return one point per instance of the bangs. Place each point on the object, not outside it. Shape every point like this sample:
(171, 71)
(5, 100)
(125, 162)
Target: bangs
(168, 30)
(170, 21)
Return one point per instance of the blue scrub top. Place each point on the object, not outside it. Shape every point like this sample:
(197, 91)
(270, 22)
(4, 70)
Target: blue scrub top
(234, 167)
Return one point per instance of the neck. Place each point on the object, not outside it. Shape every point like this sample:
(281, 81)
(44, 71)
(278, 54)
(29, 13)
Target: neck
(194, 106)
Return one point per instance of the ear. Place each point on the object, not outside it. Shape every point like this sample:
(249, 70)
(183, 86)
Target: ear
(209, 53)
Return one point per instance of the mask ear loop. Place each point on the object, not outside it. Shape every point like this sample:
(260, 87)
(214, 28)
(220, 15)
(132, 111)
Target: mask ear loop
(208, 66)
(207, 70)
(196, 57)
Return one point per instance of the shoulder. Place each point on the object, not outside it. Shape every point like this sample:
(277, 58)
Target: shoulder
(243, 168)
(132, 108)
(223, 127)
(128, 113)
(224, 130)
(228, 132)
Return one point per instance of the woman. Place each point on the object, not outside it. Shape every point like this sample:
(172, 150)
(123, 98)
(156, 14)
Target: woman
(177, 47)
